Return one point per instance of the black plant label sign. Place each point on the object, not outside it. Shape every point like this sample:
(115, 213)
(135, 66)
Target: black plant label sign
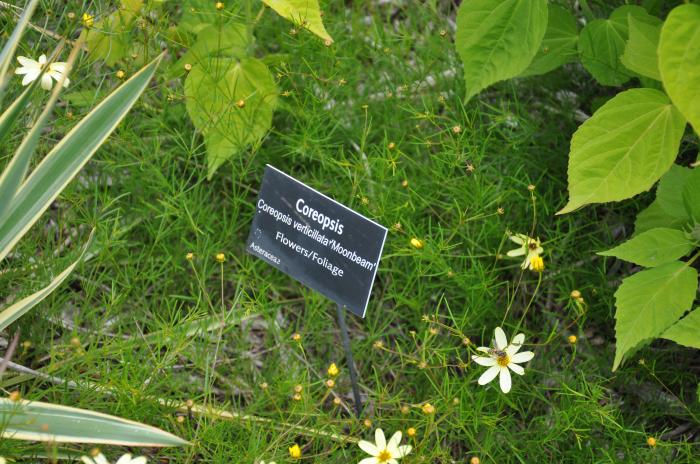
(316, 240)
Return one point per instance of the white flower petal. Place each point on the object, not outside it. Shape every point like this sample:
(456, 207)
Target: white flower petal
(29, 63)
(516, 252)
(143, 460)
(483, 349)
(101, 459)
(46, 82)
(394, 441)
(379, 439)
(515, 344)
(58, 66)
(523, 357)
(516, 368)
(525, 263)
(504, 380)
(489, 375)
(368, 447)
(392, 461)
(484, 361)
(500, 337)
(24, 70)
(30, 77)
(125, 459)
(369, 461)
(404, 450)
(87, 460)
(42, 60)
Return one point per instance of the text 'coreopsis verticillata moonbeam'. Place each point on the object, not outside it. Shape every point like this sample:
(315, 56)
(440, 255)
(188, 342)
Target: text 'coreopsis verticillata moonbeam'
(501, 358)
(32, 69)
(382, 452)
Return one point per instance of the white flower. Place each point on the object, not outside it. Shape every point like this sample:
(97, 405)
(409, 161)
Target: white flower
(501, 358)
(383, 452)
(31, 70)
(125, 459)
(530, 247)
(2, 460)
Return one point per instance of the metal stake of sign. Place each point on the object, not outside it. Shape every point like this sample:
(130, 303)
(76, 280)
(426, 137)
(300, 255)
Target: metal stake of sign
(351, 363)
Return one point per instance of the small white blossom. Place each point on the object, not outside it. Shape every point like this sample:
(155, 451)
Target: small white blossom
(529, 247)
(31, 70)
(382, 452)
(501, 358)
(125, 459)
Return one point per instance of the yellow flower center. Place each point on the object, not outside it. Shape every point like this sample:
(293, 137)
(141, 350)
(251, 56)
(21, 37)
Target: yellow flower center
(503, 360)
(384, 456)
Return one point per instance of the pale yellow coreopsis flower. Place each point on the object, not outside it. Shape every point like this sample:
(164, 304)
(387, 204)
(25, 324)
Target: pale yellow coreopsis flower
(530, 247)
(501, 358)
(382, 452)
(31, 70)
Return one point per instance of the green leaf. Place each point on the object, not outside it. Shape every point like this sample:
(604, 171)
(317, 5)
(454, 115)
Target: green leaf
(559, 45)
(37, 421)
(8, 50)
(691, 196)
(109, 38)
(64, 161)
(232, 103)
(649, 302)
(498, 39)
(305, 13)
(623, 148)
(653, 247)
(667, 210)
(21, 307)
(602, 43)
(640, 52)
(685, 332)
(679, 60)
(226, 40)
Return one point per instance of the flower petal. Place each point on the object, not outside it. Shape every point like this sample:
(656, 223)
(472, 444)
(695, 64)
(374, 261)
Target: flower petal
(369, 461)
(101, 459)
(404, 450)
(30, 77)
(143, 460)
(368, 447)
(394, 441)
(518, 238)
(46, 82)
(58, 66)
(87, 460)
(523, 357)
(489, 375)
(516, 252)
(29, 63)
(500, 337)
(504, 380)
(515, 344)
(516, 368)
(483, 349)
(42, 60)
(379, 439)
(125, 459)
(484, 361)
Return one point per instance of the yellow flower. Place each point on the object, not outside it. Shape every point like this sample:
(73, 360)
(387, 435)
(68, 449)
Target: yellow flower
(411, 432)
(537, 264)
(651, 441)
(529, 247)
(416, 243)
(189, 256)
(296, 337)
(572, 339)
(121, 74)
(220, 6)
(428, 408)
(333, 370)
(220, 257)
(295, 451)
(575, 294)
(88, 20)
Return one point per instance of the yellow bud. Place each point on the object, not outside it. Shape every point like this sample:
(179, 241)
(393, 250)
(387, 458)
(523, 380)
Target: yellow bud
(296, 337)
(531, 187)
(15, 396)
(428, 408)
(88, 20)
(188, 67)
(416, 243)
(71, 15)
(333, 370)
(240, 103)
(189, 404)
(651, 441)
(121, 74)
(404, 183)
(220, 257)
(336, 401)
(367, 423)
(295, 451)
(297, 397)
(379, 344)
(572, 339)
(391, 146)
(180, 419)
(475, 460)
(220, 6)
(457, 129)
(466, 341)
(405, 409)
(298, 388)
(500, 211)
(189, 256)
(330, 383)
(411, 432)
(263, 386)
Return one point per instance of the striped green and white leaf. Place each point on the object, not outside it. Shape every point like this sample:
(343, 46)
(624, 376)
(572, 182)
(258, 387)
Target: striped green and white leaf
(21, 307)
(66, 159)
(38, 421)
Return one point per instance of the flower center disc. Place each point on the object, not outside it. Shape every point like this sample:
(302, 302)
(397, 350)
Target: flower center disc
(503, 361)
(532, 245)
(384, 456)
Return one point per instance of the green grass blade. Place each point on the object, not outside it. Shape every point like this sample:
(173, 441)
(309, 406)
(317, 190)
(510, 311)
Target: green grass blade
(64, 161)
(38, 421)
(20, 308)
(8, 51)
